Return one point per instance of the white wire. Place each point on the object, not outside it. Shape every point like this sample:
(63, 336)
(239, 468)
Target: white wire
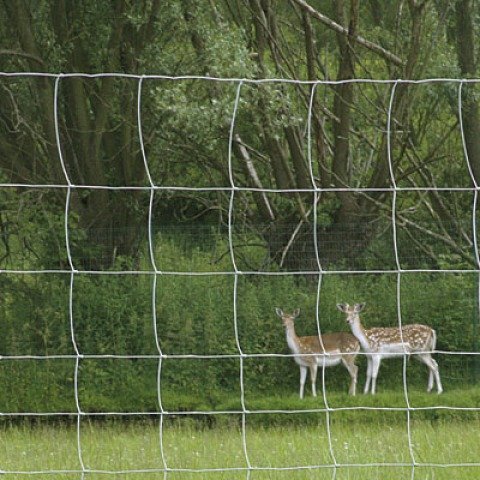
(320, 277)
(78, 355)
(151, 250)
(152, 188)
(236, 272)
(236, 80)
(475, 195)
(309, 137)
(359, 408)
(324, 466)
(242, 272)
(86, 356)
(238, 188)
(399, 277)
(244, 469)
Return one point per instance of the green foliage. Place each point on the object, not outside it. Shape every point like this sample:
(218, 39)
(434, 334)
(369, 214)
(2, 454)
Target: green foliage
(113, 315)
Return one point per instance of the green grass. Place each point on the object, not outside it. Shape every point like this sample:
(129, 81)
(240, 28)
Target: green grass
(452, 400)
(135, 446)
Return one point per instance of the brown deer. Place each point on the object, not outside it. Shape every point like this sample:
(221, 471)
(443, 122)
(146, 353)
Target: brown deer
(379, 343)
(327, 351)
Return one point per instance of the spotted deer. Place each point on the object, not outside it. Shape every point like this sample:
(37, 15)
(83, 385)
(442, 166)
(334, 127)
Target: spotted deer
(333, 349)
(379, 343)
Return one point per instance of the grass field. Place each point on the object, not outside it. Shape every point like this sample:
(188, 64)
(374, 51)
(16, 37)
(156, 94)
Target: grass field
(134, 445)
(364, 429)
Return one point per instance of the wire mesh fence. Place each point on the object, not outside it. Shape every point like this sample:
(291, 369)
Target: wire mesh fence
(184, 326)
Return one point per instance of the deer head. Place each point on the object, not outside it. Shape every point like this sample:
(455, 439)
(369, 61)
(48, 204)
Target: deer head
(287, 318)
(352, 312)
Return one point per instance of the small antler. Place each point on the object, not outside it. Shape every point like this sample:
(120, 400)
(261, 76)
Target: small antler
(343, 307)
(281, 313)
(359, 306)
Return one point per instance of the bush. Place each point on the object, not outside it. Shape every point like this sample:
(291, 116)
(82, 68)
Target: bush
(197, 331)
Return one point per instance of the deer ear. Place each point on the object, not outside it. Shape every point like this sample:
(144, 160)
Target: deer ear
(342, 307)
(279, 312)
(296, 313)
(359, 306)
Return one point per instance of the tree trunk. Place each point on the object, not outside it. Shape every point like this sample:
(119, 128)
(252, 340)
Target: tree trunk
(466, 50)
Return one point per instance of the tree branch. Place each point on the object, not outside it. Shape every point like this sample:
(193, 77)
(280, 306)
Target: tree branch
(16, 53)
(262, 199)
(391, 57)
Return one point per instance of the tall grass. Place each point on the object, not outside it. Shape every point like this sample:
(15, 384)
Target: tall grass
(136, 446)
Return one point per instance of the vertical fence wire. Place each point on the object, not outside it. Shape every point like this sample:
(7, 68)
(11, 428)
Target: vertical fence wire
(78, 355)
(399, 276)
(476, 316)
(151, 251)
(316, 197)
(231, 247)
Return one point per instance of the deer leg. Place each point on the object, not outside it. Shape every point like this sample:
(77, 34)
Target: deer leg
(436, 374)
(313, 377)
(369, 375)
(432, 365)
(375, 367)
(426, 359)
(439, 382)
(303, 376)
(430, 380)
(437, 377)
(353, 371)
(353, 386)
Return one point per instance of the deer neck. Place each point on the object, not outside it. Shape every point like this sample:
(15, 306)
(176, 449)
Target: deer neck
(292, 339)
(359, 332)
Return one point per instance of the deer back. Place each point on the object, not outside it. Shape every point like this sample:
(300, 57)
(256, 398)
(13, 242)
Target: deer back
(342, 342)
(418, 336)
